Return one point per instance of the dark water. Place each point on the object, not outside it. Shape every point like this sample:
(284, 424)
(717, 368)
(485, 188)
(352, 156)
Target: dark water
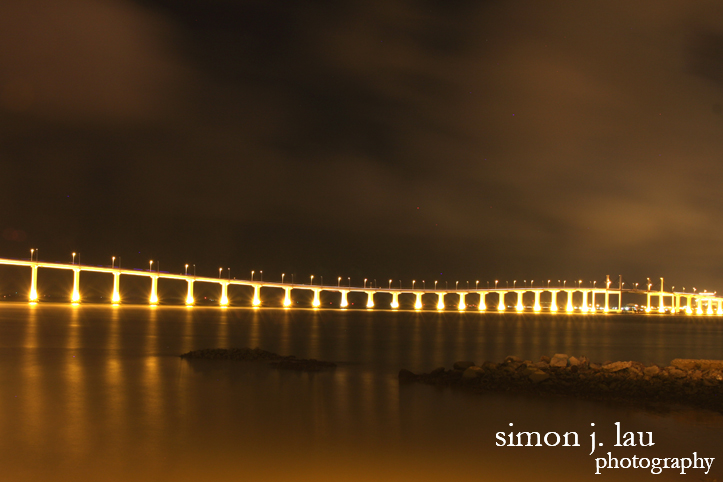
(99, 393)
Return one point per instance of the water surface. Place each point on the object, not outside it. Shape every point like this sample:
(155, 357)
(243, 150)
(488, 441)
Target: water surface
(95, 392)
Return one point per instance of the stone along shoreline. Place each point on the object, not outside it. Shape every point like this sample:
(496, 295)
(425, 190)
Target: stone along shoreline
(697, 383)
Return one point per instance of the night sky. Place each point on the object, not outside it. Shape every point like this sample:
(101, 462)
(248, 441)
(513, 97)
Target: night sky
(373, 139)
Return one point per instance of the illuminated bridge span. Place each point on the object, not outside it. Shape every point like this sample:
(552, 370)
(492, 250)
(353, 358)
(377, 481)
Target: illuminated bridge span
(561, 298)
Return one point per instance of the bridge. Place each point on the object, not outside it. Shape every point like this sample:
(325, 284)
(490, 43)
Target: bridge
(561, 298)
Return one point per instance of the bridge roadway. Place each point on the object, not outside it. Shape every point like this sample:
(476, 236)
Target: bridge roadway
(696, 303)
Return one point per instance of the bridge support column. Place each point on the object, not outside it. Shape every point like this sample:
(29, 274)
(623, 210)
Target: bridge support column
(257, 296)
(33, 296)
(569, 308)
(440, 301)
(344, 300)
(418, 301)
(189, 293)
(224, 294)
(395, 300)
(647, 308)
(115, 297)
(461, 306)
(719, 311)
(710, 307)
(482, 305)
(593, 308)
(661, 303)
(154, 290)
(519, 306)
(698, 306)
(537, 306)
(501, 303)
(584, 306)
(370, 299)
(75, 297)
(553, 302)
(317, 301)
(607, 301)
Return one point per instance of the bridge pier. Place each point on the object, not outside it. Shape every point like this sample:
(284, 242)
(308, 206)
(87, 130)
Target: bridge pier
(75, 297)
(482, 306)
(461, 306)
(440, 301)
(154, 290)
(189, 293)
(569, 307)
(370, 299)
(501, 302)
(395, 300)
(593, 308)
(519, 306)
(317, 302)
(287, 297)
(344, 300)
(584, 306)
(115, 298)
(647, 308)
(607, 301)
(553, 302)
(33, 284)
(537, 306)
(257, 296)
(224, 294)
(418, 301)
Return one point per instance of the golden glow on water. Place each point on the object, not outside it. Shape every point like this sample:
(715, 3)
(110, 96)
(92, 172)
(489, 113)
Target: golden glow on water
(125, 407)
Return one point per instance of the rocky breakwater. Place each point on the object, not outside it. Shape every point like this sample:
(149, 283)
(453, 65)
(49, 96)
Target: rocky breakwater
(697, 383)
(256, 354)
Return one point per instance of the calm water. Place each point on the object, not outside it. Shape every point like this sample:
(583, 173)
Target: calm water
(99, 393)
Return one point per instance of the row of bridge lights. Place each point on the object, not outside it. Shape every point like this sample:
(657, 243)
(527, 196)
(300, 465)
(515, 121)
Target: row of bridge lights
(287, 301)
(34, 257)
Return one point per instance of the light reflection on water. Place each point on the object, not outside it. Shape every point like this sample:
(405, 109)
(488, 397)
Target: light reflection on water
(99, 393)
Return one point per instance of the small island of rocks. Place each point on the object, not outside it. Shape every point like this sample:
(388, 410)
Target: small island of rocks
(257, 354)
(697, 383)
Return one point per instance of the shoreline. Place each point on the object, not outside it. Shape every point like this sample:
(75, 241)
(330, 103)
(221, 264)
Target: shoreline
(689, 382)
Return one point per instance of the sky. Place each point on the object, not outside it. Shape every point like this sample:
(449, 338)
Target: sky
(367, 139)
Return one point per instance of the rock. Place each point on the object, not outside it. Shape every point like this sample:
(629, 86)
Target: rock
(545, 359)
(573, 361)
(538, 376)
(488, 365)
(542, 364)
(513, 359)
(675, 372)
(463, 365)
(473, 372)
(595, 366)
(693, 364)
(559, 360)
(437, 372)
(406, 376)
(651, 371)
(616, 366)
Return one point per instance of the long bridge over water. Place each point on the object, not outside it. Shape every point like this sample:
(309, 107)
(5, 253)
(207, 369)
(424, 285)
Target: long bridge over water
(561, 298)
